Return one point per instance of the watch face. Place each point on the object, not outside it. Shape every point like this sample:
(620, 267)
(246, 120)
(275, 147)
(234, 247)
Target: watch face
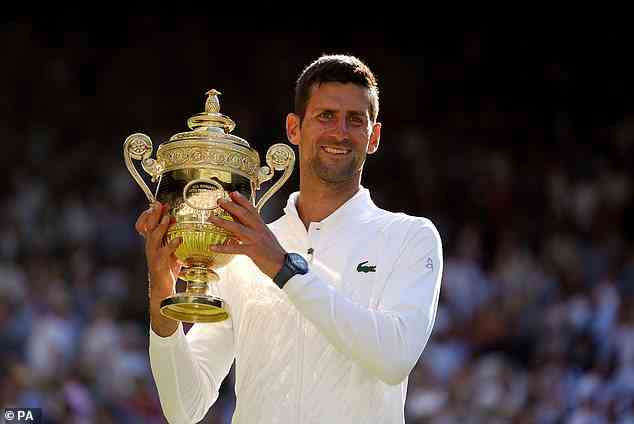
(298, 262)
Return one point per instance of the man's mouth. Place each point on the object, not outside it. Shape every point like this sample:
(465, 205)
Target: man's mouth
(336, 150)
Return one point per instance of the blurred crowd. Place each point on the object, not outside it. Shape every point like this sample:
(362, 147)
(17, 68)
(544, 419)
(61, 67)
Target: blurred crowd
(536, 317)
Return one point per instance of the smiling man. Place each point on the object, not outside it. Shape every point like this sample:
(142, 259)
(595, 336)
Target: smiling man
(331, 305)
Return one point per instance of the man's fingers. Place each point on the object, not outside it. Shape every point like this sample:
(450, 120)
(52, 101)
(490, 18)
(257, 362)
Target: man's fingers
(240, 213)
(148, 219)
(155, 237)
(141, 221)
(239, 230)
(173, 245)
(242, 201)
(155, 216)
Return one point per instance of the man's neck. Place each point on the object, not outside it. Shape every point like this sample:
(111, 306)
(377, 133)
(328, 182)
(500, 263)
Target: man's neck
(317, 201)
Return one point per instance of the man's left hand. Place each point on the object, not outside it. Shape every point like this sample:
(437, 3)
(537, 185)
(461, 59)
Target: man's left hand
(254, 238)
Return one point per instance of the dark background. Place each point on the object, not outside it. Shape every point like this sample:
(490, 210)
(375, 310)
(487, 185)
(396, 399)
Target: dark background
(515, 139)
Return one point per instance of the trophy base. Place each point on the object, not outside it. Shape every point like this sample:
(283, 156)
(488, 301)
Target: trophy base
(193, 309)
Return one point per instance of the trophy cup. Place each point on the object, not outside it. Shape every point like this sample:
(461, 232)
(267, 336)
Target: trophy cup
(192, 171)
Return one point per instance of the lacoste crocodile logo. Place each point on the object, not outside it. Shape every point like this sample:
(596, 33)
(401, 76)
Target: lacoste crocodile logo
(362, 267)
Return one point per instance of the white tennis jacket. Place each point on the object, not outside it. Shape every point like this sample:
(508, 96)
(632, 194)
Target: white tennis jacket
(336, 345)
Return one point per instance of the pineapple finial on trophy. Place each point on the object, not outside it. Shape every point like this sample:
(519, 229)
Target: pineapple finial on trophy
(212, 105)
(211, 119)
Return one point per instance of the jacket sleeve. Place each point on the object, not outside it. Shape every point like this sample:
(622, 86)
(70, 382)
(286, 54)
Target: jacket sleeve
(387, 340)
(189, 369)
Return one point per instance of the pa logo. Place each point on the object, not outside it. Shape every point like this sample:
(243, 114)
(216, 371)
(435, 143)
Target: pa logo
(23, 415)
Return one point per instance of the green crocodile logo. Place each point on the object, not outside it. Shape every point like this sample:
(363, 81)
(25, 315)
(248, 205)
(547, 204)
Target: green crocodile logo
(362, 267)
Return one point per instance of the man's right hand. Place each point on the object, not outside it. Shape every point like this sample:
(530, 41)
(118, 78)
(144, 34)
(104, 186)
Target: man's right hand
(163, 266)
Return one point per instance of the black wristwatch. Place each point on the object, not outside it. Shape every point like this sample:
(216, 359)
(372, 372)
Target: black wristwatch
(294, 264)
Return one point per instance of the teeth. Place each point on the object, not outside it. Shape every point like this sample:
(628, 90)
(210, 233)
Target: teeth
(335, 150)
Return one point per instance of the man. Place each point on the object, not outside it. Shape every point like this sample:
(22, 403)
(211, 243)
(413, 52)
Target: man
(331, 305)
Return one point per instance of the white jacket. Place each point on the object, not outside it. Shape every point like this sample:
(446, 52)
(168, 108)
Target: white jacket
(336, 345)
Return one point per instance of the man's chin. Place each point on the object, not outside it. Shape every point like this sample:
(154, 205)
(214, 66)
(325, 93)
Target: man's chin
(331, 177)
(334, 173)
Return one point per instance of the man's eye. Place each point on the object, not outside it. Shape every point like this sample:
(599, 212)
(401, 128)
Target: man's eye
(326, 115)
(357, 120)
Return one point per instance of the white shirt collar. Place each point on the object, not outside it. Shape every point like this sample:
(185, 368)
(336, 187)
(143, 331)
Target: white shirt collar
(355, 208)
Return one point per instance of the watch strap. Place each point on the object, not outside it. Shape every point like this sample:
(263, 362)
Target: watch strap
(288, 270)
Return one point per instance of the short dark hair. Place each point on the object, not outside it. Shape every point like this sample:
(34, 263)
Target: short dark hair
(336, 68)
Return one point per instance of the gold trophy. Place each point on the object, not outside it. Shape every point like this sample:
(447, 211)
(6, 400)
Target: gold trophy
(192, 171)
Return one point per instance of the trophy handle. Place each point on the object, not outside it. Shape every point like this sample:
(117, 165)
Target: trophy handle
(138, 146)
(279, 157)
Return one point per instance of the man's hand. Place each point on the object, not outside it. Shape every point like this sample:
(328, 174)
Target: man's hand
(254, 238)
(163, 266)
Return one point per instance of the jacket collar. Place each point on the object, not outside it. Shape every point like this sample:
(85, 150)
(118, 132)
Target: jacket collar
(354, 209)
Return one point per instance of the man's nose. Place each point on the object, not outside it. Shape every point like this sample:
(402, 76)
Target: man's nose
(341, 130)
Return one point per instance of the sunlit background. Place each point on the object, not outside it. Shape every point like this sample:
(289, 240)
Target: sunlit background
(517, 142)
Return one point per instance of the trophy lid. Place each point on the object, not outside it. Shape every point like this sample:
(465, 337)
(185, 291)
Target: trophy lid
(210, 124)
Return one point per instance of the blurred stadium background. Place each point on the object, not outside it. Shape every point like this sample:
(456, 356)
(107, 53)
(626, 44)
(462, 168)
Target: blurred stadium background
(516, 141)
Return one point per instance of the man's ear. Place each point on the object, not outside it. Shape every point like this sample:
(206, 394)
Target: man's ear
(293, 128)
(375, 138)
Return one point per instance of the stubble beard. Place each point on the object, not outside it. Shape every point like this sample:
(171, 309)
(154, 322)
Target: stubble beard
(337, 174)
